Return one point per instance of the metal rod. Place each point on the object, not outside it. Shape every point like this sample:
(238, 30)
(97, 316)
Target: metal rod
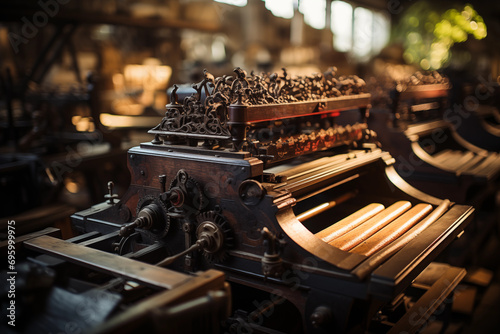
(349, 222)
(325, 206)
(319, 174)
(381, 256)
(331, 186)
(313, 166)
(393, 231)
(354, 237)
(171, 259)
(326, 173)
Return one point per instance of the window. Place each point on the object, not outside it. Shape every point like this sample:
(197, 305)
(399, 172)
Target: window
(361, 31)
(239, 3)
(342, 25)
(314, 12)
(381, 29)
(281, 8)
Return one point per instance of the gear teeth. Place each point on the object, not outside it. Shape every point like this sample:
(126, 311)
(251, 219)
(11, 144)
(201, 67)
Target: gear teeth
(148, 199)
(193, 184)
(219, 220)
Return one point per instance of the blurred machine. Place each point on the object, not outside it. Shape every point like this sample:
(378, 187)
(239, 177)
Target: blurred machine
(50, 148)
(482, 127)
(421, 134)
(424, 134)
(309, 221)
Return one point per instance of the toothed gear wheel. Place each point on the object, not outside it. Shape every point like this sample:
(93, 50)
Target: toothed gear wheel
(160, 229)
(188, 194)
(214, 224)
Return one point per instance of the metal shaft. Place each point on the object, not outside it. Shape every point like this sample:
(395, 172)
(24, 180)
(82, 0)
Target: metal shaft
(171, 259)
(325, 206)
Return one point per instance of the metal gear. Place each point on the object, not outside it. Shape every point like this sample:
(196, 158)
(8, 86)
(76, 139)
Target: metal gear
(161, 227)
(185, 194)
(213, 224)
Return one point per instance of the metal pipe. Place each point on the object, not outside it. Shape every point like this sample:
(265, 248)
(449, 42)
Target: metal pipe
(349, 222)
(393, 231)
(354, 237)
(325, 206)
(381, 256)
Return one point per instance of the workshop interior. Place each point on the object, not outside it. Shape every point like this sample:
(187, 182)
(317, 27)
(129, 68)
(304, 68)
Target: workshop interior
(250, 166)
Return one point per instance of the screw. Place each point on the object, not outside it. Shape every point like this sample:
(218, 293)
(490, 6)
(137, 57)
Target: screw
(110, 196)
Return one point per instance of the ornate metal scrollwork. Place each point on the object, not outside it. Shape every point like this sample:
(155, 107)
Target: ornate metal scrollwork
(194, 117)
(208, 119)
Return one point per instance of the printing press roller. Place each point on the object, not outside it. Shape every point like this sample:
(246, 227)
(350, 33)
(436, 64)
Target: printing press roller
(309, 221)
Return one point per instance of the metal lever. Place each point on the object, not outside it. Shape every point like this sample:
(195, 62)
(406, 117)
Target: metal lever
(209, 240)
(199, 244)
(128, 229)
(110, 196)
(272, 265)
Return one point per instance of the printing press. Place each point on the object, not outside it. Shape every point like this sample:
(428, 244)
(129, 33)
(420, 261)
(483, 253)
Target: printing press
(421, 134)
(482, 128)
(309, 221)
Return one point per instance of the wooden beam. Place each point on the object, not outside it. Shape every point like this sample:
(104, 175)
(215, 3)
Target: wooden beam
(111, 264)
(130, 320)
(416, 317)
